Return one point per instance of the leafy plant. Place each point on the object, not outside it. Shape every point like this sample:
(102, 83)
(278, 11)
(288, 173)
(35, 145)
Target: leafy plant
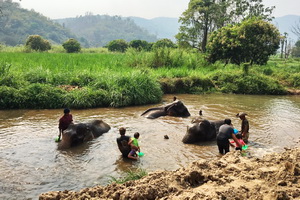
(129, 176)
(72, 46)
(37, 43)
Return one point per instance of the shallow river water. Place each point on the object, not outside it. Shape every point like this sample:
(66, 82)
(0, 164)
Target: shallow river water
(31, 163)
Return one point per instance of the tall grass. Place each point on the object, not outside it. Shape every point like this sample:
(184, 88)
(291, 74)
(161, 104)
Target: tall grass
(85, 80)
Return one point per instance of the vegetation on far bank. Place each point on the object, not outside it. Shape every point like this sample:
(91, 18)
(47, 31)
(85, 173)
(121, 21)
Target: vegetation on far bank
(85, 80)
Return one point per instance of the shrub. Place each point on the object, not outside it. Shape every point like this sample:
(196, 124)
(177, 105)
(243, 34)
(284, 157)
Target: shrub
(86, 98)
(246, 84)
(71, 46)
(117, 45)
(42, 96)
(140, 45)
(37, 43)
(190, 85)
(10, 98)
(164, 43)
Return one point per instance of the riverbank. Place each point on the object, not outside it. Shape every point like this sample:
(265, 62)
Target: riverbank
(43, 80)
(275, 176)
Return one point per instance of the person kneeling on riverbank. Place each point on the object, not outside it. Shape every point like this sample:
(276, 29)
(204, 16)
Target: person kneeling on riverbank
(226, 132)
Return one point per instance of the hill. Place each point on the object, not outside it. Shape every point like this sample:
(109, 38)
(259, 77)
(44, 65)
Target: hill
(285, 24)
(98, 30)
(16, 24)
(162, 27)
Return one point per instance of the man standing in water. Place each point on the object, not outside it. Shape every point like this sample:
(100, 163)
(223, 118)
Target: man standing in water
(245, 126)
(225, 133)
(64, 121)
(122, 142)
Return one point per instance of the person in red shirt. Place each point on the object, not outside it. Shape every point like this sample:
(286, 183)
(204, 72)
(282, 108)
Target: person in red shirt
(64, 122)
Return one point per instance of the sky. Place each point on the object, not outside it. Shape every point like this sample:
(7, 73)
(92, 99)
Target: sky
(56, 9)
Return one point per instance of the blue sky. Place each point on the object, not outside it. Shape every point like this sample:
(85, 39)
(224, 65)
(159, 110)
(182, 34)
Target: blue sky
(56, 9)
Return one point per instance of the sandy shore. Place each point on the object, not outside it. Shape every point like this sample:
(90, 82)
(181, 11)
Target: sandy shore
(275, 176)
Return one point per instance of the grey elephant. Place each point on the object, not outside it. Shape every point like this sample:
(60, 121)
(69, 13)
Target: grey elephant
(176, 108)
(77, 134)
(201, 130)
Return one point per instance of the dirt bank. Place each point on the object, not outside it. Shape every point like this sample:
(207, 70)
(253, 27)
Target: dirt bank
(275, 176)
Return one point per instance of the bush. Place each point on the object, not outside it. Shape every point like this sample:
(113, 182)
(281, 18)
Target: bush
(42, 96)
(140, 45)
(86, 98)
(117, 45)
(37, 43)
(10, 98)
(71, 46)
(133, 89)
(189, 85)
(247, 84)
(164, 43)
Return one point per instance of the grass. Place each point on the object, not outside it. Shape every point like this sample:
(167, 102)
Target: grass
(93, 79)
(129, 176)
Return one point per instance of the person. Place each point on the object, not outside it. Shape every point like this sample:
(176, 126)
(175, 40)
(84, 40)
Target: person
(225, 133)
(239, 137)
(134, 144)
(64, 121)
(122, 142)
(244, 126)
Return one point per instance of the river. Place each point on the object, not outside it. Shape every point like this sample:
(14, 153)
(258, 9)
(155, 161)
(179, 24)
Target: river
(31, 163)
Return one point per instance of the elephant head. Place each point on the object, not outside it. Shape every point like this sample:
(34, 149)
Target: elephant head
(176, 108)
(201, 130)
(77, 134)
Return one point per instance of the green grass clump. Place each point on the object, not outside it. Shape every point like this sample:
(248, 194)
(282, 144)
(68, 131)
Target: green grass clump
(240, 83)
(129, 176)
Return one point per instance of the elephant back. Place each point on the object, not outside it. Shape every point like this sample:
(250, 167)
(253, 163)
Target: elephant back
(98, 127)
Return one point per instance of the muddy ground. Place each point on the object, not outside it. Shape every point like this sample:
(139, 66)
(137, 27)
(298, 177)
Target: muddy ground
(233, 176)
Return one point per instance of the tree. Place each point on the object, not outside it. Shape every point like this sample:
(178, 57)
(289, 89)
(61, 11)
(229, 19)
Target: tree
(251, 41)
(140, 45)
(37, 43)
(205, 16)
(296, 49)
(164, 43)
(119, 45)
(72, 46)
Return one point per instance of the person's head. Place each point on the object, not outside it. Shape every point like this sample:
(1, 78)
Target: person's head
(227, 121)
(136, 135)
(67, 111)
(241, 115)
(122, 131)
(238, 136)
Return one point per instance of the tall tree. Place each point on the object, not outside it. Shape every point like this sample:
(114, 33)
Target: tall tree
(205, 16)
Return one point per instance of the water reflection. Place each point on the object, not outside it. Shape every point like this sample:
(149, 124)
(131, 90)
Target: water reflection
(32, 164)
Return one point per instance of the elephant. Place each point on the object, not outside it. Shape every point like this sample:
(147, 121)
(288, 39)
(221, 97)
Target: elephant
(77, 134)
(176, 108)
(201, 130)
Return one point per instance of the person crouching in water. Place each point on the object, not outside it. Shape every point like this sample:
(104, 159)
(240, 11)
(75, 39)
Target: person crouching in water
(226, 132)
(134, 144)
(64, 122)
